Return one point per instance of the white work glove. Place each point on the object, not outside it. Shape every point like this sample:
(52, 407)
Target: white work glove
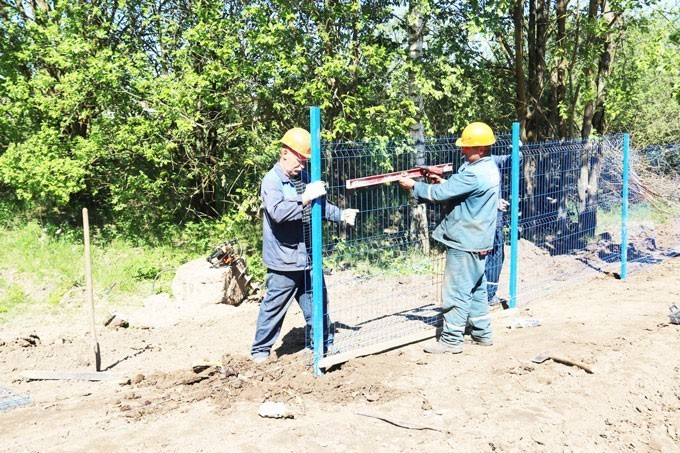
(503, 204)
(348, 216)
(313, 191)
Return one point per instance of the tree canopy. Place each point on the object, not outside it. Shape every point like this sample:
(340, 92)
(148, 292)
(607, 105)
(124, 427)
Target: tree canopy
(163, 112)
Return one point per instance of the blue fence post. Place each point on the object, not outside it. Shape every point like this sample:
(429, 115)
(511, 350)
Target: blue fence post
(317, 257)
(514, 214)
(624, 209)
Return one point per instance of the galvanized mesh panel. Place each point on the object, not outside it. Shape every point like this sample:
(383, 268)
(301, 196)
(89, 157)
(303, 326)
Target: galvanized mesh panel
(560, 202)
(570, 218)
(10, 400)
(383, 278)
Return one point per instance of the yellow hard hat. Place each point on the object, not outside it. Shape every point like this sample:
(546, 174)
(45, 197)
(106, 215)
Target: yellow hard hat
(476, 134)
(299, 141)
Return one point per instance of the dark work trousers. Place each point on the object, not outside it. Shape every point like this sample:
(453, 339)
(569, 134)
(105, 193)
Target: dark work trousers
(494, 260)
(282, 289)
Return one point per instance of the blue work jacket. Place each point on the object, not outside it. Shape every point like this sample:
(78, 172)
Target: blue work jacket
(469, 222)
(283, 240)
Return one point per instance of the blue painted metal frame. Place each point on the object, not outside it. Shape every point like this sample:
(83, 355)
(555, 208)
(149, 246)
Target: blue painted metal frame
(317, 241)
(514, 215)
(624, 208)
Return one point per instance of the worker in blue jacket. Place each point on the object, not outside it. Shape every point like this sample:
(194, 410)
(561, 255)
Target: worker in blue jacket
(286, 246)
(467, 231)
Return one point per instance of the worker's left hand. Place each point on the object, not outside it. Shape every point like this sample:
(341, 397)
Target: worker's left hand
(407, 183)
(348, 216)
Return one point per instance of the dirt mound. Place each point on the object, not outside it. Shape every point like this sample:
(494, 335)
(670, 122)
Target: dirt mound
(288, 379)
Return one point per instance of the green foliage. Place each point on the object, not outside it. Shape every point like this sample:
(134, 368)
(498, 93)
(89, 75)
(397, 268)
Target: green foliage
(40, 169)
(644, 92)
(12, 297)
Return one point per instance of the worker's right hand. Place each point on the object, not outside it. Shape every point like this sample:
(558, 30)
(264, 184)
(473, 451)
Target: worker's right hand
(313, 191)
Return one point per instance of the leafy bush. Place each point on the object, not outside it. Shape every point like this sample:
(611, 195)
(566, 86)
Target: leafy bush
(41, 169)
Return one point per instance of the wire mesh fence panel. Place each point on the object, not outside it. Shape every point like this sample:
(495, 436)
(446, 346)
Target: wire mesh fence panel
(384, 275)
(11, 400)
(570, 223)
(382, 281)
(652, 220)
(560, 202)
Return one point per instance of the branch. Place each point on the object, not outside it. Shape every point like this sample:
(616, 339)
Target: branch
(405, 425)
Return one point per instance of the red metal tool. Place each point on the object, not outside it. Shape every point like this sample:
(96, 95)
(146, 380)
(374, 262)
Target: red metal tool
(422, 170)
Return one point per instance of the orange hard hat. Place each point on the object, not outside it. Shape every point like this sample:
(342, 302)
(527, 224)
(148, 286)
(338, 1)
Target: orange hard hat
(299, 141)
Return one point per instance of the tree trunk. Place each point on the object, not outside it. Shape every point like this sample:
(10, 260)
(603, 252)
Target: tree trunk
(591, 163)
(520, 87)
(531, 67)
(604, 68)
(593, 117)
(558, 78)
(416, 29)
(589, 73)
(536, 43)
(558, 125)
(542, 12)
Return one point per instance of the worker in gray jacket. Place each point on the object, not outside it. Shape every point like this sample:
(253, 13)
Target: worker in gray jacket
(467, 231)
(286, 246)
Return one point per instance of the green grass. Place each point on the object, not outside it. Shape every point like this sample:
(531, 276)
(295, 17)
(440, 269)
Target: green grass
(638, 213)
(11, 298)
(381, 258)
(42, 268)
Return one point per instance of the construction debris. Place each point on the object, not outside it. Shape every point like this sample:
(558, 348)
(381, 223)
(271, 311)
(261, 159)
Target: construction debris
(115, 321)
(199, 280)
(270, 409)
(675, 314)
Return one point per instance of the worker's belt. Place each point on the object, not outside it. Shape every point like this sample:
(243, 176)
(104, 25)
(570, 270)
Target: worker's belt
(483, 252)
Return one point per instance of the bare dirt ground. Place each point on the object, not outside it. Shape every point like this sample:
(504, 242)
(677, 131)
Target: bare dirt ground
(485, 399)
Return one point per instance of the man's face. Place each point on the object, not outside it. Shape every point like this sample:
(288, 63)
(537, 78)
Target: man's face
(473, 153)
(292, 162)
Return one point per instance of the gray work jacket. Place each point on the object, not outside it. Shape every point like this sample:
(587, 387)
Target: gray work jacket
(470, 215)
(283, 237)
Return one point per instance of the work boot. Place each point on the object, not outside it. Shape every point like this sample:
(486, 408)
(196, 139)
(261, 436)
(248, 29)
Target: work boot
(442, 348)
(479, 342)
(494, 301)
(260, 358)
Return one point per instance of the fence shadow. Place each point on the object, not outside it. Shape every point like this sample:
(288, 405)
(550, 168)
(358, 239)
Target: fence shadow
(292, 342)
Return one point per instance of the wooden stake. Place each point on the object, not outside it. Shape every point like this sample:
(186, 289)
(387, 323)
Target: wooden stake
(90, 291)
